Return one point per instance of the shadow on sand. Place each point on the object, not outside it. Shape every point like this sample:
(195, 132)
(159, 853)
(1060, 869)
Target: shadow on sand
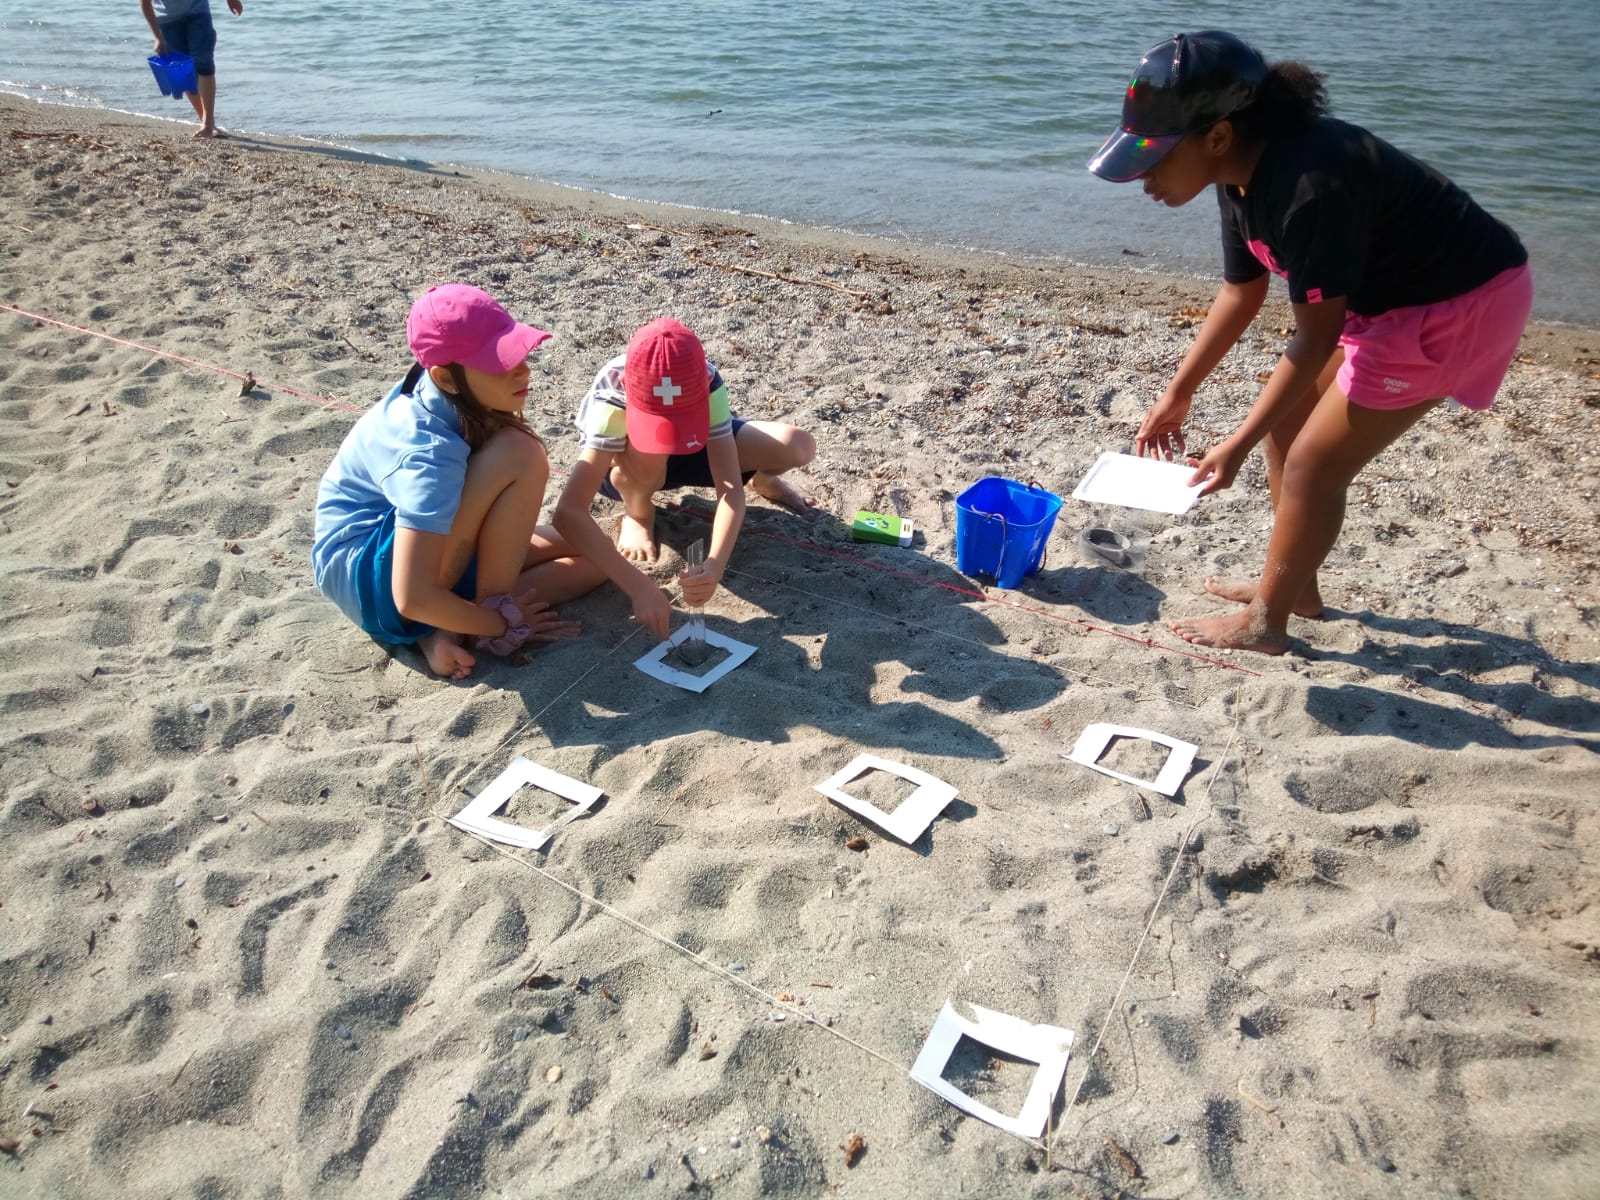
(870, 655)
(1455, 660)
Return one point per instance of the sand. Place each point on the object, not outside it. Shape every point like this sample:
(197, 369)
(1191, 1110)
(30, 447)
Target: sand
(244, 954)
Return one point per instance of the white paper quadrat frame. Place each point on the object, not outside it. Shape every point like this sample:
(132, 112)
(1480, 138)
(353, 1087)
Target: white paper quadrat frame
(910, 820)
(1092, 743)
(478, 816)
(654, 665)
(1048, 1045)
(1133, 482)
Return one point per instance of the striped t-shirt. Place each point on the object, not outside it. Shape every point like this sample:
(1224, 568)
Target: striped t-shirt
(602, 417)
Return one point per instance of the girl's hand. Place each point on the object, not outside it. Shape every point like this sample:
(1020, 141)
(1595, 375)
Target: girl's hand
(1161, 432)
(544, 623)
(699, 586)
(1218, 468)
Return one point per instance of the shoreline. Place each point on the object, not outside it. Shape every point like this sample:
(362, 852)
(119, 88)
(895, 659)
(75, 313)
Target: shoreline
(1568, 343)
(245, 953)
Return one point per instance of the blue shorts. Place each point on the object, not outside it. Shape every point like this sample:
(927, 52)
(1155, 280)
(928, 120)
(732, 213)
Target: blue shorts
(373, 568)
(193, 34)
(683, 470)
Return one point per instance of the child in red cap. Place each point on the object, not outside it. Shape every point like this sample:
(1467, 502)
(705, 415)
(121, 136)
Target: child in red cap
(657, 417)
(426, 520)
(1405, 292)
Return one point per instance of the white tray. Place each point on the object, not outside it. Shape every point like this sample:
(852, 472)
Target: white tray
(1134, 482)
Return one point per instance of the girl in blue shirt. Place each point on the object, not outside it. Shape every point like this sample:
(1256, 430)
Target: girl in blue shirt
(427, 520)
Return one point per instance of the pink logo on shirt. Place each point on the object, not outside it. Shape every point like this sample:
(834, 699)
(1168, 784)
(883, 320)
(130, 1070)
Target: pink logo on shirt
(1314, 295)
(1265, 258)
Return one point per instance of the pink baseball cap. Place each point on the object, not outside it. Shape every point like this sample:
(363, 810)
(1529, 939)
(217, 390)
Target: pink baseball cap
(667, 386)
(458, 323)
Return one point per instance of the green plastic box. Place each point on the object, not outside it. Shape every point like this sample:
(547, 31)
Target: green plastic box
(879, 527)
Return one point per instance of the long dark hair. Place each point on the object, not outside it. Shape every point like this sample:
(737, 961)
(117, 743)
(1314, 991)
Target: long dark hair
(1289, 100)
(478, 424)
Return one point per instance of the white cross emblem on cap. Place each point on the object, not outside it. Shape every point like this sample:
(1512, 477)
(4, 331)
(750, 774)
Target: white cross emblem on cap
(666, 391)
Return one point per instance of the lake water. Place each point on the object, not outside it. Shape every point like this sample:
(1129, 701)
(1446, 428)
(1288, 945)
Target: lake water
(961, 124)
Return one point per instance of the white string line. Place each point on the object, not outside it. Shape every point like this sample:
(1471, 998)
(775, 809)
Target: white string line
(768, 997)
(808, 1018)
(518, 732)
(1144, 936)
(883, 616)
(698, 959)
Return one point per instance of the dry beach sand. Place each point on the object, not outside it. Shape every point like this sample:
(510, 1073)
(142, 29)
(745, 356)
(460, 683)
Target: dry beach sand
(242, 955)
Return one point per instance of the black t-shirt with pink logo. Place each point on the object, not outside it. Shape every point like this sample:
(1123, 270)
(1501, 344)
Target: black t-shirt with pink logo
(1338, 211)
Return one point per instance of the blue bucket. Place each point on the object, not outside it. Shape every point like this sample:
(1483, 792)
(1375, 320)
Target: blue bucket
(174, 74)
(1002, 527)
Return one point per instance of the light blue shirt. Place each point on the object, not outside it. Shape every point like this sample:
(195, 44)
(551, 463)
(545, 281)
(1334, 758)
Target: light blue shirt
(404, 456)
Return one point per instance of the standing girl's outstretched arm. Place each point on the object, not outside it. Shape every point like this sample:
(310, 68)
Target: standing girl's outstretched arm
(1316, 337)
(1161, 433)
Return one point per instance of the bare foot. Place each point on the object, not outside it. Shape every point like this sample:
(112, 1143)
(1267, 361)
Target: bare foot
(446, 656)
(637, 540)
(209, 131)
(780, 491)
(1243, 591)
(1245, 630)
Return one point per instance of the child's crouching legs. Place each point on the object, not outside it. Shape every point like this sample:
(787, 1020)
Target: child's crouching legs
(637, 478)
(554, 570)
(500, 502)
(769, 448)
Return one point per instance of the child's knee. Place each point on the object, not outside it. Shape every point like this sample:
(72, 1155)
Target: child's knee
(642, 473)
(516, 453)
(1313, 477)
(778, 448)
(802, 447)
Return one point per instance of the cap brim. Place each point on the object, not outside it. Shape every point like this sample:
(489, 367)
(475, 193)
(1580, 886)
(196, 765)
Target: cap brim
(509, 349)
(682, 433)
(1126, 156)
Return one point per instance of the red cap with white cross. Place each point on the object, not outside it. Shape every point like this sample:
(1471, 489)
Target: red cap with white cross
(667, 386)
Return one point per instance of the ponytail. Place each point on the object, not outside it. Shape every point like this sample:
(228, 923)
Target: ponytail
(1288, 102)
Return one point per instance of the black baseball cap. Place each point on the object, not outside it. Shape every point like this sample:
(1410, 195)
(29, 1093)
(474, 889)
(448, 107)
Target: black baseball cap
(1187, 83)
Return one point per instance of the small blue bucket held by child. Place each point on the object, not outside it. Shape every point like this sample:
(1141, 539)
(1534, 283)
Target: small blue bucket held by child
(175, 74)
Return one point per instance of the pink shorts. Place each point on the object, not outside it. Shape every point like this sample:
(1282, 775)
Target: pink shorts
(1458, 348)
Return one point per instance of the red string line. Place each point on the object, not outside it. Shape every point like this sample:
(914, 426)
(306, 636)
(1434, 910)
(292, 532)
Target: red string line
(815, 547)
(1148, 643)
(193, 362)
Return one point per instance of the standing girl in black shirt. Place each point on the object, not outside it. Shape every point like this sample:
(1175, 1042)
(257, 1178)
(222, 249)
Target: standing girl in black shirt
(1405, 293)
